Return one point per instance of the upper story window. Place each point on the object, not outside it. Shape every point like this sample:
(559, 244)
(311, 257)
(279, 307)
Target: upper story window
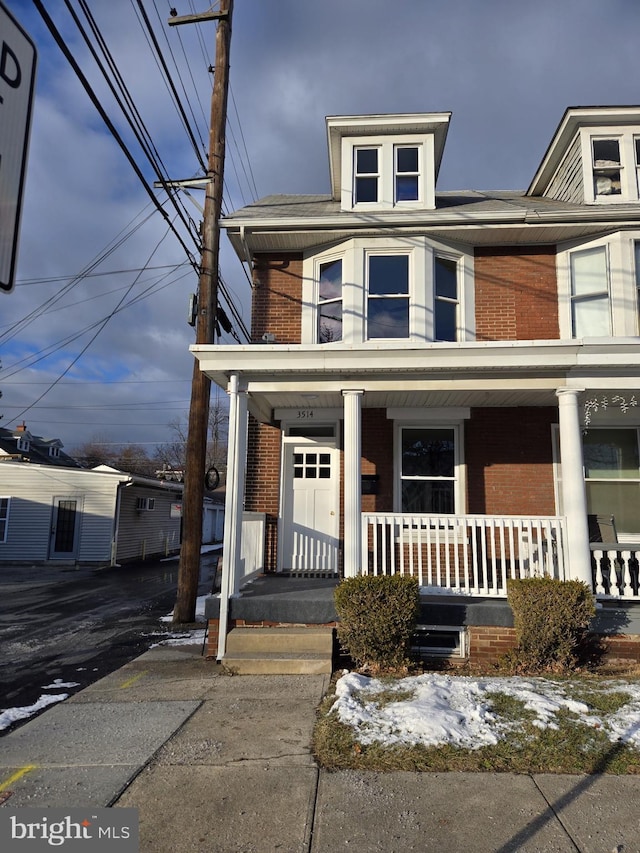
(377, 289)
(446, 300)
(366, 175)
(607, 167)
(388, 173)
(590, 309)
(599, 287)
(54, 451)
(388, 296)
(330, 302)
(407, 173)
(611, 165)
(23, 444)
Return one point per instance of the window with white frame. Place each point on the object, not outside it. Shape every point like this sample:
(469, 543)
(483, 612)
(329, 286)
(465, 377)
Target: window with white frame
(388, 172)
(446, 299)
(590, 304)
(428, 469)
(23, 444)
(366, 175)
(611, 160)
(4, 518)
(407, 173)
(379, 289)
(607, 166)
(636, 251)
(612, 475)
(330, 302)
(387, 296)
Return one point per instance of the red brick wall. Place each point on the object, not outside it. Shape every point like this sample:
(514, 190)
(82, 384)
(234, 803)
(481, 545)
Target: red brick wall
(377, 458)
(516, 293)
(488, 644)
(508, 453)
(277, 298)
(262, 487)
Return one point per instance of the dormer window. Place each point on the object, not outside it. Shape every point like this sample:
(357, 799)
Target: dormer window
(607, 167)
(366, 175)
(407, 173)
(54, 452)
(23, 444)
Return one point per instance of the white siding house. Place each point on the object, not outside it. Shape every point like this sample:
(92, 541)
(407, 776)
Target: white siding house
(100, 516)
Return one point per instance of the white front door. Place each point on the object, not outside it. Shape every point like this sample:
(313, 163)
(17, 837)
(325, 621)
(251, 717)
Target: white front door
(310, 509)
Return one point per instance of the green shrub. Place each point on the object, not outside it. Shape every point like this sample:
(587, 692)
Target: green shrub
(377, 618)
(551, 618)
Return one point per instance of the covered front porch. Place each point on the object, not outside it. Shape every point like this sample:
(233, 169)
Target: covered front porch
(353, 407)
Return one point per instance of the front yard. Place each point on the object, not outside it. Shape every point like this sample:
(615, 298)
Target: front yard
(442, 722)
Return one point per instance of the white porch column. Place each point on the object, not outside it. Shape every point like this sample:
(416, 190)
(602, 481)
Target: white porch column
(352, 482)
(574, 496)
(234, 504)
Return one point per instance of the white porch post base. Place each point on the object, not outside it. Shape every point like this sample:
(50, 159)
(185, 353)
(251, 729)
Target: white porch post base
(234, 503)
(574, 495)
(352, 482)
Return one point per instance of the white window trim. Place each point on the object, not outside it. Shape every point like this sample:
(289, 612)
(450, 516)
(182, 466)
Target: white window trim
(386, 169)
(623, 293)
(6, 498)
(422, 253)
(460, 478)
(628, 171)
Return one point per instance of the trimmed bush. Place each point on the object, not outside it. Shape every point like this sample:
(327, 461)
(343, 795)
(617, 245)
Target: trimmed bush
(551, 620)
(377, 615)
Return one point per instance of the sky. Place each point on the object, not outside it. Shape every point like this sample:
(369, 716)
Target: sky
(106, 356)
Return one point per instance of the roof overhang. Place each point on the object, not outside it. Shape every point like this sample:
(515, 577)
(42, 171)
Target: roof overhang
(501, 373)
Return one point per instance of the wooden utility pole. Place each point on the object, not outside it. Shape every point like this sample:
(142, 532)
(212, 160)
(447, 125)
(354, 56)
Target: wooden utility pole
(193, 495)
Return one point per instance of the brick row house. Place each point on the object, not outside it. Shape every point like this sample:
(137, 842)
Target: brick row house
(440, 383)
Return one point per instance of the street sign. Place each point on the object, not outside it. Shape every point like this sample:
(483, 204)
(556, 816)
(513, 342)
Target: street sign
(17, 79)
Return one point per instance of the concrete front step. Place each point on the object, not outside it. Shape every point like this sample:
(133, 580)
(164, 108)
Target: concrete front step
(278, 651)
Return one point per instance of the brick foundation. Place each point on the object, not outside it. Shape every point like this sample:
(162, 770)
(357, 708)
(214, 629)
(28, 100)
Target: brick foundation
(487, 645)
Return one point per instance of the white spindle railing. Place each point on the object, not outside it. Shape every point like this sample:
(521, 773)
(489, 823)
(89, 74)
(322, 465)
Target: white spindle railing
(615, 569)
(468, 553)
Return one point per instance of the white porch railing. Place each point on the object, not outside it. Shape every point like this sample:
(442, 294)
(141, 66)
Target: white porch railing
(615, 567)
(474, 554)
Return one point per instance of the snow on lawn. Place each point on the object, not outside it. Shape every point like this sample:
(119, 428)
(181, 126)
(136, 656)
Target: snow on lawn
(457, 709)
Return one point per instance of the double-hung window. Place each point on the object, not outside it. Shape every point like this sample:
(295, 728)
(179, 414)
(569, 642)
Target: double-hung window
(607, 167)
(612, 475)
(330, 302)
(4, 518)
(428, 479)
(366, 175)
(445, 308)
(407, 173)
(387, 296)
(590, 307)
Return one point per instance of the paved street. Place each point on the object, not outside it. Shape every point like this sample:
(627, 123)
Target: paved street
(79, 625)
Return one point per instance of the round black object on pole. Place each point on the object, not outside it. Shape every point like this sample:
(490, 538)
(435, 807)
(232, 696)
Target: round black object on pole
(212, 479)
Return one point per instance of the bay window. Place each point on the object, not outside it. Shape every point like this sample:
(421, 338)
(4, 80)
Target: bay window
(387, 296)
(330, 302)
(445, 299)
(590, 309)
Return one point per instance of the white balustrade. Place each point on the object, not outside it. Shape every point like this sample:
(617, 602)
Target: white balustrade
(474, 554)
(615, 568)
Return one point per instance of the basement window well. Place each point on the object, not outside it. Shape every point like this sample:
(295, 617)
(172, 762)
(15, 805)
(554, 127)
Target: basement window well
(439, 641)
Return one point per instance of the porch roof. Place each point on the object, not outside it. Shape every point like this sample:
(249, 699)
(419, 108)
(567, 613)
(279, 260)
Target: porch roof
(501, 373)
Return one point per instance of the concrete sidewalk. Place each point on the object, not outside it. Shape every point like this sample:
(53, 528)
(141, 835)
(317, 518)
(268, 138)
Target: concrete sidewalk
(218, 763)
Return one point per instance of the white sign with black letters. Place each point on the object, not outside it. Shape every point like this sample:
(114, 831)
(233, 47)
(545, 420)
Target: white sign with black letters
(17, 78)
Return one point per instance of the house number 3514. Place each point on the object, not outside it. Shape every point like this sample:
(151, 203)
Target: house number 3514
(305, 414)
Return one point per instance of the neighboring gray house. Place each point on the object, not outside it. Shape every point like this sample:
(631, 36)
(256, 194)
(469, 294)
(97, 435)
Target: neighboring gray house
(65, 515)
